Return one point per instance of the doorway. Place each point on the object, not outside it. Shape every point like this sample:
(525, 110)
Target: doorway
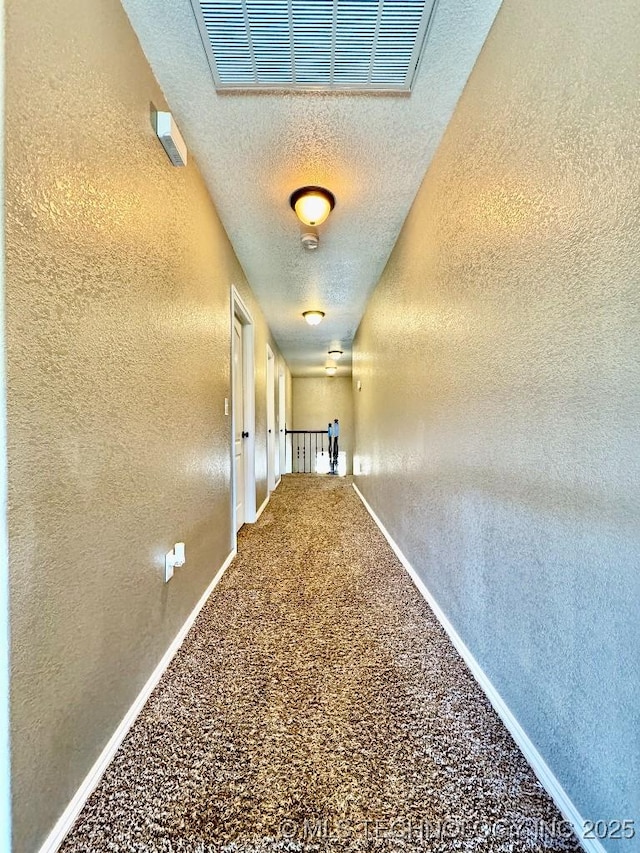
(239, 432)
(282, 419)
(243, 502)
(272, 463)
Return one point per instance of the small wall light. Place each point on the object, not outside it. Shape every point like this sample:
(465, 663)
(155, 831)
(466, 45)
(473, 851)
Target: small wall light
(312, 204)
(313, 317)
(171, 138)
(331, 371)
(335, 354)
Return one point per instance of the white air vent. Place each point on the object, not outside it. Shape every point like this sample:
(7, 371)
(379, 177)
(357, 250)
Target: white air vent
(364, 45)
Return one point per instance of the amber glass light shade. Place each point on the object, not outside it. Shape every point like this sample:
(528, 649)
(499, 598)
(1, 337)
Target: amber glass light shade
(312, 204)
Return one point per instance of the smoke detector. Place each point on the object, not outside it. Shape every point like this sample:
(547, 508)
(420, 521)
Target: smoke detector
(309, 239)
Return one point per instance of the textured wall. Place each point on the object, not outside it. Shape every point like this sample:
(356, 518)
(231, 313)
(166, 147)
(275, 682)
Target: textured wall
(318, 401)
(5, 770)
(118, 314)
(497, 426)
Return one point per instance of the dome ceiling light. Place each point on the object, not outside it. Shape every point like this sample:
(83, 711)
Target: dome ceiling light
(312, 205)
(313, 317)
(335, 354)
(331, 371)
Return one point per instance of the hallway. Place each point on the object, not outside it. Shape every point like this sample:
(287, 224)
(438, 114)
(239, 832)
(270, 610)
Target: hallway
(469, 315)
(317, 704)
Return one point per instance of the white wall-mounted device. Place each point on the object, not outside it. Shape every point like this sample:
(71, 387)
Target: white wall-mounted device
(171, 138)
(173, 560)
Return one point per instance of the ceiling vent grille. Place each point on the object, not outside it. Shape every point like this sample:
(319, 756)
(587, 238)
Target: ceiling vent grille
(364, 45)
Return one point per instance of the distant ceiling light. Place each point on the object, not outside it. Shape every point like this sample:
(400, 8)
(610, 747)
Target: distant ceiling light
(312, 204)
(335, 354)
(331, 371)
(313, 317)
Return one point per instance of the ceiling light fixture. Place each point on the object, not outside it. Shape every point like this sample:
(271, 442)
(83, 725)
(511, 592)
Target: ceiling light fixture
(331, 371)
(312, 204)
(313, 317)
(335, 354)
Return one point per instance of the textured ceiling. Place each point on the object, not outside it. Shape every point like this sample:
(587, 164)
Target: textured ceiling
(371, 151)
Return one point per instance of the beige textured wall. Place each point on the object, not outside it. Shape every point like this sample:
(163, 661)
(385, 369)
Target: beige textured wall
(118, 314)
(318, 401)
(5, 770)
(497, 426)
(288, 395)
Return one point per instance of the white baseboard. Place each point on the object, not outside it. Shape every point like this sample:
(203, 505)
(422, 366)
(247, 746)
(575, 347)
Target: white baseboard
(68, 817)
(262, 507)
(539, 766)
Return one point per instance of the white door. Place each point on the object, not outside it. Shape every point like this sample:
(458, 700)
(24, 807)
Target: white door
(271, 421)
(276, 436)
(282, 459)
(238, 421)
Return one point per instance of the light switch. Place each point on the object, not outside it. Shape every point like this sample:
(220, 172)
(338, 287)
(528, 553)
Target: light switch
(226, 405)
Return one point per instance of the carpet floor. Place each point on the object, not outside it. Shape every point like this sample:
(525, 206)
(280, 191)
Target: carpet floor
(317, 705)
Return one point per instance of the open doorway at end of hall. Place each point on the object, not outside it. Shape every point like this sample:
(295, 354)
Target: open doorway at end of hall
(317, 402)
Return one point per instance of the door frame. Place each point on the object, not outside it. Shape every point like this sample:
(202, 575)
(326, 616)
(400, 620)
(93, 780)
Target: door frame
(271, 421)
(240, 310)
(282, 419)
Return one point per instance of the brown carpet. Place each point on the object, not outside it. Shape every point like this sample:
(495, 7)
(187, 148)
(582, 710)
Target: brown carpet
(317, 705)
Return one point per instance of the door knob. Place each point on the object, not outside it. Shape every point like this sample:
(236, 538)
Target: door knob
(245, 435)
